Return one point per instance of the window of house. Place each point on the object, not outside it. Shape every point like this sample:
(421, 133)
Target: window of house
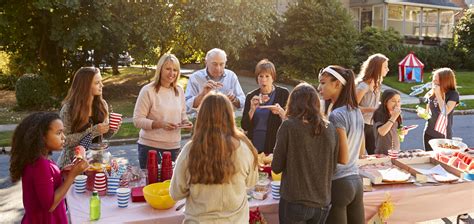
(412, 21)
(355, 17)
(395, 17)
(378, 16)
(430, 22)
(446, 23)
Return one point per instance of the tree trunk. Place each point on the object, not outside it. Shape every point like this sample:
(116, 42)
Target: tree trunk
(114, 63)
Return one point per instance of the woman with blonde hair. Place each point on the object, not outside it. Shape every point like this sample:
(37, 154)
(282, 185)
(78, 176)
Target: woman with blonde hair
(216, 167)
(160, 111)
(84, 112)
(442, 99)
(368, 93)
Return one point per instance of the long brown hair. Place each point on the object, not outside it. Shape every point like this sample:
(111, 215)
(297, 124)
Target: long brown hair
(167, 58)
(347, 95)
(382, 111)
(212, 149)
(371, 69)
(447, 79)
(78, 100)
(303, 104)
(28, 141)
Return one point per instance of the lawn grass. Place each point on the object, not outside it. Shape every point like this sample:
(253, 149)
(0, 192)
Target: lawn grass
(126, 71)
(464, 79)
(6, 138)
(9, 116)
(123, 106)
(468, 105)
(128, 130)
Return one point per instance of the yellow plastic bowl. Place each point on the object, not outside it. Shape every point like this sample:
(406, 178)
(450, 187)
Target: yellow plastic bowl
(276, 177)
(158, 196)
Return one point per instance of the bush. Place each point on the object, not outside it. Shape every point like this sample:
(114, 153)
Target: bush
(32, 92)
(389, 42)
(317, 34)
(7, 82)
(374, 40)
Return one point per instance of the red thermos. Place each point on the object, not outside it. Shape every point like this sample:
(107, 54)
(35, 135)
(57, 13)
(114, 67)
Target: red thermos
(152, 167)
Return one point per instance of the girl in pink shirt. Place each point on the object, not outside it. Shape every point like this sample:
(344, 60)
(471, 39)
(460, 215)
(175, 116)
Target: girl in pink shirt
(43, 189)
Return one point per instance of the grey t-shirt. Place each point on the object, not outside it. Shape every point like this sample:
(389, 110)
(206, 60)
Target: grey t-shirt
(370, 99)
(352, 122)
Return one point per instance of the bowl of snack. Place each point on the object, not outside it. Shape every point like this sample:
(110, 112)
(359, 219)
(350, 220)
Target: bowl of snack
(447, 146)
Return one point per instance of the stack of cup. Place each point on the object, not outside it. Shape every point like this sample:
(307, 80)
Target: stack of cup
(115, 119)
(100, 184)
(275, 189)
(121, 170)
(80, 183)
(166, 167)
(123, 195)
(152, 167)
(112, 185)
(392, 153)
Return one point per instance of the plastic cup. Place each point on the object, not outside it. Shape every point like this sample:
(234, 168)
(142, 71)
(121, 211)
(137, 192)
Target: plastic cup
(114, 121)
(393, 153)
(80, 184)
(123, 196)
(112, 185)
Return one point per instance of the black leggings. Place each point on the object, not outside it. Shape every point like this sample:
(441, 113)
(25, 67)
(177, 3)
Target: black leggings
(369, 138)
(426, 139)
(347, 198)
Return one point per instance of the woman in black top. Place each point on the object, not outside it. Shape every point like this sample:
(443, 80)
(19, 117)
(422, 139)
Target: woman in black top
(442, 98)
(263, 111)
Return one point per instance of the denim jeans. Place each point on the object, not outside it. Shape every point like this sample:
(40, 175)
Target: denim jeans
(143, 154)
(295, 213)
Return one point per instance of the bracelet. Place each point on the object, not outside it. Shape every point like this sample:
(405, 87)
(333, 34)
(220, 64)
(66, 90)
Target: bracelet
(391, 121)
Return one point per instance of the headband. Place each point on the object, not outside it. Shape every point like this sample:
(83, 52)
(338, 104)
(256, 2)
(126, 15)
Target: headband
(335, 74)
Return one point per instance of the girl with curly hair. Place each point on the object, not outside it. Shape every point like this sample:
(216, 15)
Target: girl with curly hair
(43, 187)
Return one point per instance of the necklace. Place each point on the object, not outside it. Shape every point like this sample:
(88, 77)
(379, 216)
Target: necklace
(273, 88)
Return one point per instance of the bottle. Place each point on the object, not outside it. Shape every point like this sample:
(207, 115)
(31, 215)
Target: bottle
(401, 136)
(422, 113)
(94, 206)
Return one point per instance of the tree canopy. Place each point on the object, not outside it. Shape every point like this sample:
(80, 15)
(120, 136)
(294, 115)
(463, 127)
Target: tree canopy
(54, 38)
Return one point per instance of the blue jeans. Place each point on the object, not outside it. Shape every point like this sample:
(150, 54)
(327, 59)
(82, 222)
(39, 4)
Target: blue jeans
(143, 154)
(295, 213)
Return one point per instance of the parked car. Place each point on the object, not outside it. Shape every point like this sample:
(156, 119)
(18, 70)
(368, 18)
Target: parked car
(125, 59)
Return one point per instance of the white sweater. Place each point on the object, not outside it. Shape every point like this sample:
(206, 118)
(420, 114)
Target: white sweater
(161, 106)
(215, 203)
